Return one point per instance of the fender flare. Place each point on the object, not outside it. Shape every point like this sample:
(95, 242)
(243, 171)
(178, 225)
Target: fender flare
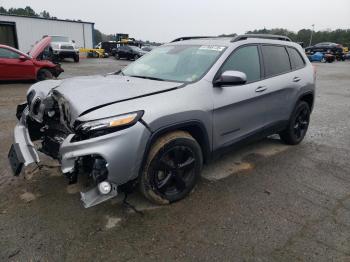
(186, 125)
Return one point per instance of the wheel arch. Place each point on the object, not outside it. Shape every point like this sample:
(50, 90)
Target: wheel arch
(194, 127)
(47, 67)
(309, 98)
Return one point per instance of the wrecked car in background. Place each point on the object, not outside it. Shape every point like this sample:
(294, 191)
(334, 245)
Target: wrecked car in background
(15, 65)
(155, 122)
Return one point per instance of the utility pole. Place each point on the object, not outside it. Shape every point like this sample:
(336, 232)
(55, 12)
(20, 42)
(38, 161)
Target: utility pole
(312, 31)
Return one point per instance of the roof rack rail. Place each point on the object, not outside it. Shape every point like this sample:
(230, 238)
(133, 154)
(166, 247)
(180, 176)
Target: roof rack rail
(263, 36)
(190, 37)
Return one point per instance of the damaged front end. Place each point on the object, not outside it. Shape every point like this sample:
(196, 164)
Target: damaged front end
(45, 122)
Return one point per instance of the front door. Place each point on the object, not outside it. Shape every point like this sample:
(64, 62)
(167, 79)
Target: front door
(13, 68)
(239, 110)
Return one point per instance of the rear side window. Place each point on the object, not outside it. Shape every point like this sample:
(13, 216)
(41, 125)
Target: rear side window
(246, 60)
(276, 60)
(295, 58)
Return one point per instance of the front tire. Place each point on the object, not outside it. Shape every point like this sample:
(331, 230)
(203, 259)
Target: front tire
(44, 74)
(136, 57)
(76, 59)
(117, 56)
(298, 124)
(172, 168)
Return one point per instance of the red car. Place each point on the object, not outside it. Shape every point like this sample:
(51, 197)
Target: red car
(15, 65)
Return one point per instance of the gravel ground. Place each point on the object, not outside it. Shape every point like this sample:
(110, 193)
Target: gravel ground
(264, 202)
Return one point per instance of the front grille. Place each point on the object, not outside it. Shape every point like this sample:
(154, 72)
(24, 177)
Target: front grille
(68, 47)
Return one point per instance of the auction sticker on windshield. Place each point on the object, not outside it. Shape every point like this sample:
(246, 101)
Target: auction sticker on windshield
(212, 47)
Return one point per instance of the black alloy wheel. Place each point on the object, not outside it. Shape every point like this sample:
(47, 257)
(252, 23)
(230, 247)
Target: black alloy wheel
(172, 169)
(298, 124)
(301, 123)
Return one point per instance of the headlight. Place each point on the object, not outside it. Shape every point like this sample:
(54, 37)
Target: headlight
(107, 125)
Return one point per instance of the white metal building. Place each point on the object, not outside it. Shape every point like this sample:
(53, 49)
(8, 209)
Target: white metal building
(23, 32)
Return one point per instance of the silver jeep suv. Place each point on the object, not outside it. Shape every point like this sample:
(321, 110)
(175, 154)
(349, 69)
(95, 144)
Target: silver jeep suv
(154, 123)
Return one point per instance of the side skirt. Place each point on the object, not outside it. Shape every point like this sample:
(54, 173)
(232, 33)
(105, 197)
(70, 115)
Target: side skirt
(249, 139)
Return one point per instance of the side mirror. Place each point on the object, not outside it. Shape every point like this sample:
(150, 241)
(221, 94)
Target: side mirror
(23, 58)
(230, 78)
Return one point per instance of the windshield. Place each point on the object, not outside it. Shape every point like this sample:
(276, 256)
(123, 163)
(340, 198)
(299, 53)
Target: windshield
(180, 63)
(59, 39)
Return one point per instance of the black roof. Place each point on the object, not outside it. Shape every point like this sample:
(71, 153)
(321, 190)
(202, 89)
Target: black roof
(50, 19)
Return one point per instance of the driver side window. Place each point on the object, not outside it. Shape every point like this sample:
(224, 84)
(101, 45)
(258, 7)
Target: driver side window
(246, 60)
(6, 53)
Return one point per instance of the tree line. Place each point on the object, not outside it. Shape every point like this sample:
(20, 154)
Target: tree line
(27, 11)
(341, 36)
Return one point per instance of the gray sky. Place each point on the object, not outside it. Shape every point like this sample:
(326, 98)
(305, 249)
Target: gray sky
(164, 20)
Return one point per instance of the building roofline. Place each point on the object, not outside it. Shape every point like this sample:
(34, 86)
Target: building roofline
(50, 19)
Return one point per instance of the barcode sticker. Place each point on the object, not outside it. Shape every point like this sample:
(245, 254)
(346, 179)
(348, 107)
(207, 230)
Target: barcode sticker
(212, 47)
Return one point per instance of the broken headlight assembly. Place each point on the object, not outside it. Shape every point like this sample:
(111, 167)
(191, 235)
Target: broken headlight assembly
(99, 127)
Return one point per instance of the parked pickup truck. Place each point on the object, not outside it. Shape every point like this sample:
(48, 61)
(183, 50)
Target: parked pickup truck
(63, 47)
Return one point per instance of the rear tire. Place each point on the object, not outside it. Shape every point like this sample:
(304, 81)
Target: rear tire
(136, 57)
(298, 124)
(44, 74)
(117, 56)
(172, 168)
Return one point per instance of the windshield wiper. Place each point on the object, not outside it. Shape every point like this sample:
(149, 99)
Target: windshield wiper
(148, 77)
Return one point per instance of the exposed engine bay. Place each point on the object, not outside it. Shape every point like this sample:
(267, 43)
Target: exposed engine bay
(48, 125)
(47, 122)
(91, 133)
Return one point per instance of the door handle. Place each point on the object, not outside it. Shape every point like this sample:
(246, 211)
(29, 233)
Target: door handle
(260, 89)
(296, 79)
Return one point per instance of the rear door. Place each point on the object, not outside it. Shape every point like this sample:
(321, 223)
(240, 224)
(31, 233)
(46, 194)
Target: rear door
(279, 83)
(239, 110)
(12, 68)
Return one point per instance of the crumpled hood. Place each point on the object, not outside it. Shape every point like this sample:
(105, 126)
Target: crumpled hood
(39, 47)
(85, 94)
